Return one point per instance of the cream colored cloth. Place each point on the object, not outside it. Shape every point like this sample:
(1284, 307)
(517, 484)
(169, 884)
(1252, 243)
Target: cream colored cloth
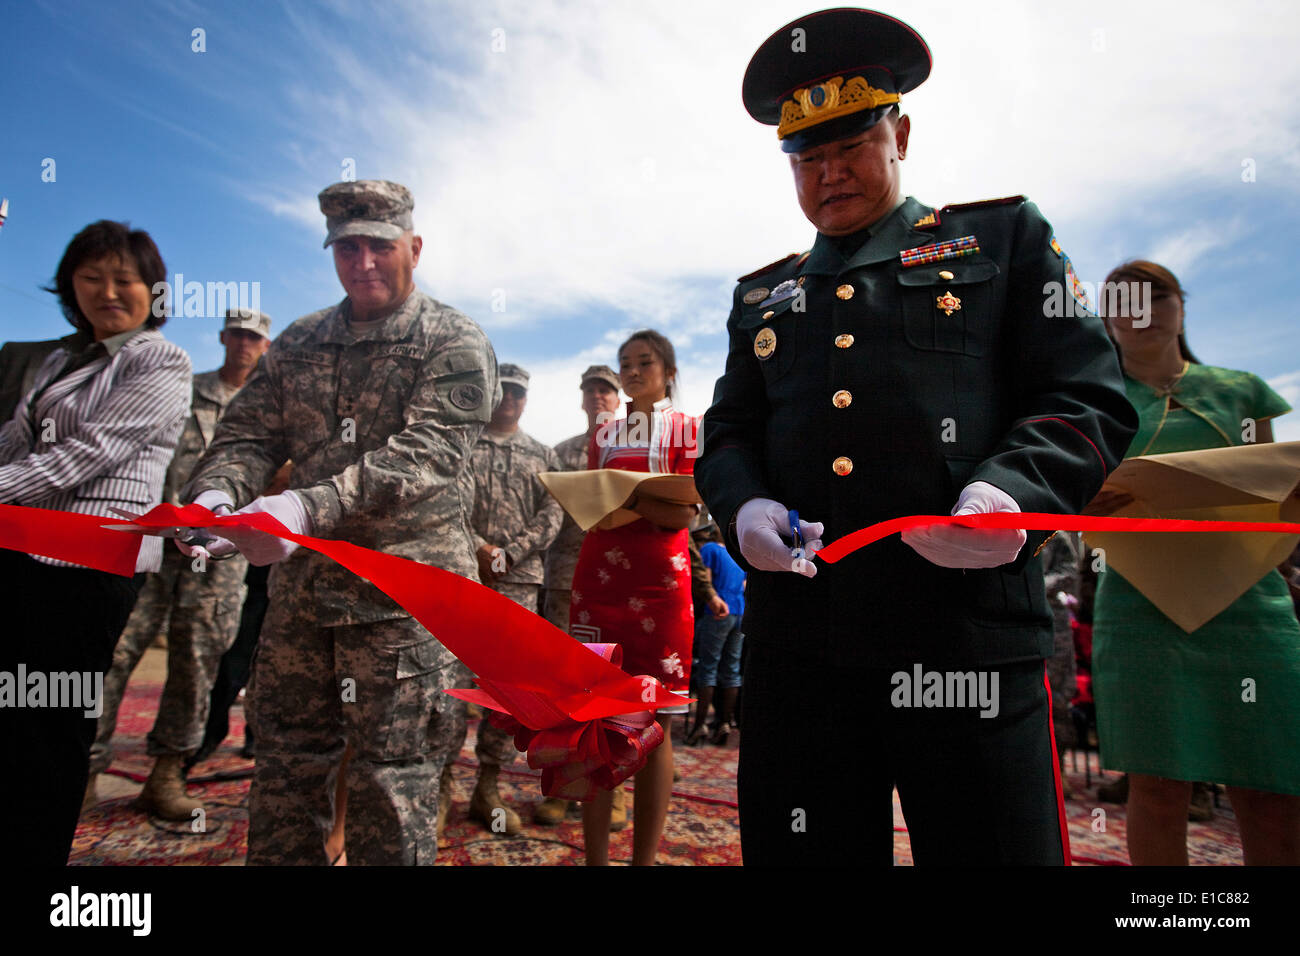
(1192, 576)
(593, 498)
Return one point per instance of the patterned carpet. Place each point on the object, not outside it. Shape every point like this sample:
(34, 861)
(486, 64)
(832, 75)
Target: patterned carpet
(702, 827)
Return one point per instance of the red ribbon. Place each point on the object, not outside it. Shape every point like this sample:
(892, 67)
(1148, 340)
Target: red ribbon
(1038, 521)
(583, 721)
(542, 677)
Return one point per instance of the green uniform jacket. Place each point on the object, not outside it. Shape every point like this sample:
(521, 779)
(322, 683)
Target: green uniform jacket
(1003, 389)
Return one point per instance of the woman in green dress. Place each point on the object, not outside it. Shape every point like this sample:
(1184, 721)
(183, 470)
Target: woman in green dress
(1169, 703)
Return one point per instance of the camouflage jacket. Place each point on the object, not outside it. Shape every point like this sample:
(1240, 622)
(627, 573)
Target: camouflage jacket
(512, 508)
(379, 424)
(207, 406)
(562, 555)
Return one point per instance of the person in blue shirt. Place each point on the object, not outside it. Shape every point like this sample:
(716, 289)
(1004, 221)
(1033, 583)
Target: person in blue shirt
(718, 642)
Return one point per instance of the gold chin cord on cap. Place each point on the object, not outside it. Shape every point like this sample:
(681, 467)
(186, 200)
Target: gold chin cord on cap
(828, 100)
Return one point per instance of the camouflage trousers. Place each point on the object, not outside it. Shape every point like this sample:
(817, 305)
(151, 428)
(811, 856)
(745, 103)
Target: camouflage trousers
(379, 686)
(494, 746)
(556, 607)
(200, 610)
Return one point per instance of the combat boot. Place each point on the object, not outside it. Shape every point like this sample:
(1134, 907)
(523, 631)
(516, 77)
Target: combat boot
(551, 811)
(485, 803)
(444, 798)
(618, 810)
(164, 792)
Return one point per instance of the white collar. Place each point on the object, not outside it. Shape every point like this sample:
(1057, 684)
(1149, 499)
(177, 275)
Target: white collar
(663, 405)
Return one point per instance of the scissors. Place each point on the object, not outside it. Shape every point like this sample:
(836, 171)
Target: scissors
(191, 537)
(798, 551)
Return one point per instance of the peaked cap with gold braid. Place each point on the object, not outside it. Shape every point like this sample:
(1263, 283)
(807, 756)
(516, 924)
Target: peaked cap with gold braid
(833, 74)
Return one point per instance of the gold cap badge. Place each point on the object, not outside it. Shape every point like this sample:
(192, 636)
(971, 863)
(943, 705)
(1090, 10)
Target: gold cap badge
(829, 100)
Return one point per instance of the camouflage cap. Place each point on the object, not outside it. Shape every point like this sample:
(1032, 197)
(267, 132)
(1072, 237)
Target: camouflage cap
(367, 207)
(510, 374)
(601, 373)
(258, 322)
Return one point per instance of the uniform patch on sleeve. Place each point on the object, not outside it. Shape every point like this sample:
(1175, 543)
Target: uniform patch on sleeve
(466, 396)
(1076, 289)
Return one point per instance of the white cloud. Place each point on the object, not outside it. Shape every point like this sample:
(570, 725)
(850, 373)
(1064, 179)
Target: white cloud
(302, 210)
(605, 149)
(1287, 427)
(1179, 251)
(602, 162)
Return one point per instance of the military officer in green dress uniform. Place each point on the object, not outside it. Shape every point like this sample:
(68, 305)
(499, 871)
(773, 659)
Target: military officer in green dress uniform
(914, 361)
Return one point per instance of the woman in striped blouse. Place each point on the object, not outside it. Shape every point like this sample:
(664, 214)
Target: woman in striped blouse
(96, 431)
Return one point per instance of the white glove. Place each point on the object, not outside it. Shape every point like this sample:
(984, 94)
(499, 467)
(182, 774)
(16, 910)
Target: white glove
(760, 523)
(953, 547)
(261, 548)
(219, 503)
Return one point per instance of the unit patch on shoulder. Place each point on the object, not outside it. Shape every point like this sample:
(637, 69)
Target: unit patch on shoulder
(767, 268)
(466, 396)
(1077, 292)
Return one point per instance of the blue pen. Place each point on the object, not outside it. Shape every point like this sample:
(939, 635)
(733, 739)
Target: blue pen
(797, 551)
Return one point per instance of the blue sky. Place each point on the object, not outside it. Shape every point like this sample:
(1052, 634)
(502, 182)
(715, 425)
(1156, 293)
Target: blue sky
(589, 166)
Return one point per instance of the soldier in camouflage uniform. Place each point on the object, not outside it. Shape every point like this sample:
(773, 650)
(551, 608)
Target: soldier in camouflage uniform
(600, 385)
(198, 603)
(513, 521)
(378, 401)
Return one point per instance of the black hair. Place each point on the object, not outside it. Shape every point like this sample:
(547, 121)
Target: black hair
(660, 345)
(98, 241)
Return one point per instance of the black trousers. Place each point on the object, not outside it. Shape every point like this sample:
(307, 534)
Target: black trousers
(232, 675)
(823, 747)
(57, 621)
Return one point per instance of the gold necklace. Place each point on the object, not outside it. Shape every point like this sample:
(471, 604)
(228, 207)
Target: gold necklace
(1168, 388)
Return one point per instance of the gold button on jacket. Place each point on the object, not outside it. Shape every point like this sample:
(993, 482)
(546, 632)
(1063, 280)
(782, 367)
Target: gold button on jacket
(845, 291)
(843, 398)
(843, 341)
(842, 465)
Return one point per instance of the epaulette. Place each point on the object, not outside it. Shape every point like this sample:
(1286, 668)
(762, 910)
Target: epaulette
(982, 203)
(769, 267)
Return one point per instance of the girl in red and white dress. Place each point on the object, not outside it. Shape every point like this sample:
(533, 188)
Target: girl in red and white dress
(632, 586)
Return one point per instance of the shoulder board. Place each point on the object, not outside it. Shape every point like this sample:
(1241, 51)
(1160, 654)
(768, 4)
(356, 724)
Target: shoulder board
(769, 267)
(983, 203)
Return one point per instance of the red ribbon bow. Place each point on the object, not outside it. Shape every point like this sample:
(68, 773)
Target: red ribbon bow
(575, 757)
